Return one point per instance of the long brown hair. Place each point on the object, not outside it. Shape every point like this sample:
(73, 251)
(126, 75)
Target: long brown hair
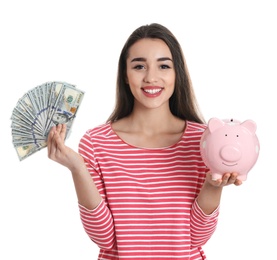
(183, 102)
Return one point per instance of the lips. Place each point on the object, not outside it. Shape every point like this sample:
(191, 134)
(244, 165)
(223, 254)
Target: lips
(152, 91)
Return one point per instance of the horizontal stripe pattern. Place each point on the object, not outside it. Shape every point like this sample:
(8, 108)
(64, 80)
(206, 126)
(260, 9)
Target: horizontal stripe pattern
(149, 208)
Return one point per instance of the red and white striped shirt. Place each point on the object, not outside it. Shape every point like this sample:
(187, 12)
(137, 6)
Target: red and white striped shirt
(149, 208)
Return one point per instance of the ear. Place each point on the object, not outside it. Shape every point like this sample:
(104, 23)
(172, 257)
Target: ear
(250, 125)
(215, 123)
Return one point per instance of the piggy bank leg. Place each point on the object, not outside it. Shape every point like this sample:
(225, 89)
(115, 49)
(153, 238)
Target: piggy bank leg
(216, 176)
(242, 177)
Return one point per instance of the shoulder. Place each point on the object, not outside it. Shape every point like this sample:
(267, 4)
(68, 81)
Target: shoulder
(194, 129)
(97, 133)
(91, 141)
(102, 129)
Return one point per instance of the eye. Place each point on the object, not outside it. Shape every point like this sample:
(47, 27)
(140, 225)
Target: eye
(164, 66)
(138, 67)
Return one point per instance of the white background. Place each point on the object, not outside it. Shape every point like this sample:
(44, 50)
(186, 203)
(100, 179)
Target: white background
(230, 48)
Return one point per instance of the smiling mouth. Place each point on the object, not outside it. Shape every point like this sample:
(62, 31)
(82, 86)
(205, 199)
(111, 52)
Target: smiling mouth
(229, 164)
(152, 90)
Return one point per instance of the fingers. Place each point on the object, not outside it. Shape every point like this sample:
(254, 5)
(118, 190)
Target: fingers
(60, 135)
(233, 179)
(227, 179)
(50, 142)
(55, 140)
(238, 182)
(62, 131)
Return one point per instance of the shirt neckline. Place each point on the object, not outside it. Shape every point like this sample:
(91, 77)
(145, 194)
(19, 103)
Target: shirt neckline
(150, 148)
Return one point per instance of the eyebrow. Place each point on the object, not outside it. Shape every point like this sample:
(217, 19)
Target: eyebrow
(143, 59)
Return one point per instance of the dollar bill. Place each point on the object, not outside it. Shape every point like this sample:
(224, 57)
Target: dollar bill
(25, 150)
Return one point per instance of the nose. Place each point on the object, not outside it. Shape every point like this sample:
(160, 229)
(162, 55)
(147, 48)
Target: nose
(150, 75)
(230, 153)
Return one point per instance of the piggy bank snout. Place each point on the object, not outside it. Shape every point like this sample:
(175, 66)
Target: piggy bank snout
(230, 153)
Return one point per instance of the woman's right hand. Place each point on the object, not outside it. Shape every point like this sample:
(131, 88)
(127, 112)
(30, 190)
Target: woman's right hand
(59, 152)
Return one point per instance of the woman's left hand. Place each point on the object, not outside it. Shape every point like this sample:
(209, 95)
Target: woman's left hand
(227, 179)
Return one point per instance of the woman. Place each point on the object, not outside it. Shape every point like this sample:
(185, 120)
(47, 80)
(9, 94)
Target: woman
(142, 187)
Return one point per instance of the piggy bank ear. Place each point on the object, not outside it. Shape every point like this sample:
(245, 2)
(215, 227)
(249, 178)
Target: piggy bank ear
(215, 123)
(250, 125)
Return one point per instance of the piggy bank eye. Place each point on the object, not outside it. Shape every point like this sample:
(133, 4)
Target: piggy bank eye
(225, 134)
(237, 135)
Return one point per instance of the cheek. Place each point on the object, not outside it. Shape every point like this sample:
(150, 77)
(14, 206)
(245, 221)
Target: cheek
(134, 80)
(170, 79)
(131, 78)
(171, 83)
(134, 86)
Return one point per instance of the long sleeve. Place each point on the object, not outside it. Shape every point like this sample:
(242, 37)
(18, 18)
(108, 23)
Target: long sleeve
(98, 224)
(202, 225)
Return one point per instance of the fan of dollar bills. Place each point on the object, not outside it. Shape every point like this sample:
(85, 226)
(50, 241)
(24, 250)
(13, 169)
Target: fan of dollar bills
(38, 110)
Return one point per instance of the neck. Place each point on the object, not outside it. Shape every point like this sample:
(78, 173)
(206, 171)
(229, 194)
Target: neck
(152, 121)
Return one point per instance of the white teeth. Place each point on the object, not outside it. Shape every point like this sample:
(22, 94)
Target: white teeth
(152, 91)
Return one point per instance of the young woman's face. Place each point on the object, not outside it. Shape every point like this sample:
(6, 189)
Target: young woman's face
(150, 73)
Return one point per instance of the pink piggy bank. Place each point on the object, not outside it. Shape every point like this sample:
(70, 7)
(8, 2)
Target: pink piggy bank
(229, 146)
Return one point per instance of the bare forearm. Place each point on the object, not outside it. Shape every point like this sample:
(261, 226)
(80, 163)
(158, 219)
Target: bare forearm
(210, 194)
(87, 193)
(209, 197)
